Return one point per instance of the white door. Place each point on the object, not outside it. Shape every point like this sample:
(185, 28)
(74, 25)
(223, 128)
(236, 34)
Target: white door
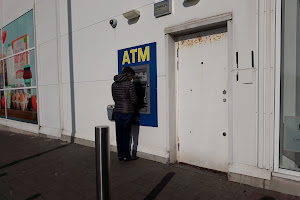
(202, 99)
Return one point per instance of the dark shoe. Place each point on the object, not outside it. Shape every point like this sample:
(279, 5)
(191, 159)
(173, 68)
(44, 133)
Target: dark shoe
(134, 157)
(121, 159)
(128, 159)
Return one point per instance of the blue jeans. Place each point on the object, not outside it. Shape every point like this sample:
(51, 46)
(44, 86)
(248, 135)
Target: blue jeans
(134, 139)
(123, 133)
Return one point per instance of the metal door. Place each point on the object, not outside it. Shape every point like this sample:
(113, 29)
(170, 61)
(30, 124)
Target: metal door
(202, 61)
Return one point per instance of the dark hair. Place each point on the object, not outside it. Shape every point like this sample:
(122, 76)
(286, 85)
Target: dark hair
(129, 71)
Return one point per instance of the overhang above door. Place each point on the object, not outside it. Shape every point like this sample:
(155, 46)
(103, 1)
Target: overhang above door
(197, 25)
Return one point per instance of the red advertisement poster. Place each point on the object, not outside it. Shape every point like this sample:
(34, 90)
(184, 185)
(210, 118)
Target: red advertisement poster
(19, 45)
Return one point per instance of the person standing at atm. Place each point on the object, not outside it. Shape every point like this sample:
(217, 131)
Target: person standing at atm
(124, 96)
(136, 119)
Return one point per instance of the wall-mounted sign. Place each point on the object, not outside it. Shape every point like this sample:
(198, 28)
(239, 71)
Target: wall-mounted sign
(142, 59)
(163, 8)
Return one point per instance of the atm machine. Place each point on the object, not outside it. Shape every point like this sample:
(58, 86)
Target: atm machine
(143, 87)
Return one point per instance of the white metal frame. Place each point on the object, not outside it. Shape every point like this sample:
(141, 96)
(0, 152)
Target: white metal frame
(36, 60)
(36, 72)
(257, 85)
(289, 173)
(272, 86)
(230, 90)
(277, 85)
(177, 102)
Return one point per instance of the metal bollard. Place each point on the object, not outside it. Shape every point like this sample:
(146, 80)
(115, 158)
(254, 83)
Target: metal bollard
(102, 147)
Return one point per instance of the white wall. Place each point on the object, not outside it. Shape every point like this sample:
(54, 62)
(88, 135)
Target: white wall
(12, 9)
(48, 76)
(1, 14)
(95, 46)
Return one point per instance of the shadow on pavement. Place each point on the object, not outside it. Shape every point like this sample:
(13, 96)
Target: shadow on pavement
(33, 156)
(160, 186)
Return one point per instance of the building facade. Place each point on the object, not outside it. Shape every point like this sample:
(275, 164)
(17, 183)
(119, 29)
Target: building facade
(221, 85)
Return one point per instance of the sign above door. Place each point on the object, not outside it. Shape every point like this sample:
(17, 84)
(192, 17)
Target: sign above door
(163, 8)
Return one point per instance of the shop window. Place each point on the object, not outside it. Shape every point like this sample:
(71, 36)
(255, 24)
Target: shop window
(18, 85)
(290, 87)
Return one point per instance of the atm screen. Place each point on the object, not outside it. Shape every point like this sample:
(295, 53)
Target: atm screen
(142, 86)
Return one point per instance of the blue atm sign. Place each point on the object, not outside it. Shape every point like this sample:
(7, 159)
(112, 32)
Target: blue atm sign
(138, 57)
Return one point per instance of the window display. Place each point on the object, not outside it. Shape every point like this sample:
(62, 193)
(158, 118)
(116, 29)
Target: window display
(17, 70)
(21, 105)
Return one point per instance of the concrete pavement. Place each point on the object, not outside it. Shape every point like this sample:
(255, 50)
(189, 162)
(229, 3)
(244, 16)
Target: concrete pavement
(33, 167)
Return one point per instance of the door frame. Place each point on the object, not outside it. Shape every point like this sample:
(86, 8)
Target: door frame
(277, 85)
(172, 109)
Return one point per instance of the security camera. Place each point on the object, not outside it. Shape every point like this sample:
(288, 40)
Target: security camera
(113, 23)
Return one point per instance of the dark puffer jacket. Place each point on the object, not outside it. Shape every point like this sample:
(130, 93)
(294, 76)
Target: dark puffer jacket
(124, 94)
